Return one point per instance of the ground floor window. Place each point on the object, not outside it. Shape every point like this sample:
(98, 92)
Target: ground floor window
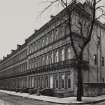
(62, 80)
(68, 81)
(46, 81)
(51, 81)
(32, 81)
(56, 78)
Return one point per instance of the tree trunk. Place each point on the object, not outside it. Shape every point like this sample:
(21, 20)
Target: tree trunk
(79, 79)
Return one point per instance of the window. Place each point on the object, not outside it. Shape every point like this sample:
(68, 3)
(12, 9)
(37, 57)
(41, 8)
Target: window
(56, 78)
(34, 46)
(41, 82)
(61, 30)
(51, 36)
(43, 60)
(47, 60)
(56, 33)
(67, 29)
(102, 61)
(68, 81)
(56, 83)
(36, 62)
(43, 42)
(69, 54)
(35, 80)
(95, 59)
(32, 81)
(47, 40)
(46, 81)
(38, 80)
(56, 57)
(52, 57)
(62, 80)
(63, 55)
(51, 81)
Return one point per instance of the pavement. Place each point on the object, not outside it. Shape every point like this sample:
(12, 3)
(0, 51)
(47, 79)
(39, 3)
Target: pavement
(66, 100)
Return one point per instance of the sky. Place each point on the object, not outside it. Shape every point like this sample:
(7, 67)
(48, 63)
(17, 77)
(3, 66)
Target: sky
(19, 19)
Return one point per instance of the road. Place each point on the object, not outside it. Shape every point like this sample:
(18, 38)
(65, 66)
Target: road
(6, 99)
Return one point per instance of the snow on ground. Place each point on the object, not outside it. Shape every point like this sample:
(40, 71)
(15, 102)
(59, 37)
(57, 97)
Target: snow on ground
(55, 99)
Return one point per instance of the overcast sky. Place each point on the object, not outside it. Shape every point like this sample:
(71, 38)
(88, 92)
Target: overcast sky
(19, 19)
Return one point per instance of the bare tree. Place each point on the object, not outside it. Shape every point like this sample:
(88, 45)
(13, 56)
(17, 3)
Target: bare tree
(85, 24)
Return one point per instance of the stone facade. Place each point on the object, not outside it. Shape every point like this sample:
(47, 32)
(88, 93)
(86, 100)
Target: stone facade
(46, 59)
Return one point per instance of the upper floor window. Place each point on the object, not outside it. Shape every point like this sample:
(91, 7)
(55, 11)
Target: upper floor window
(67, 29)
(47, 60)
(42, 42)
(52, 57)
(39, 42)
(57, 57)
(47, 40)
(51, 36)
(34, 46)
(61, 30)
(63, 55)
(102, 61)
(56, 33)
(43, 60)
(95, 59)
(69, 53)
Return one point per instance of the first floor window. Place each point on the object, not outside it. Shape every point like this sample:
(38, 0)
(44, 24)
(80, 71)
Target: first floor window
(52, 57)
(63, 55)
(56, 57)
(69, 53)
(102, 61)
(47, 60)
(95, 59)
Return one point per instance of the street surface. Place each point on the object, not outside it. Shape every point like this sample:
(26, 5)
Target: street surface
(13, 98)
(6, 99)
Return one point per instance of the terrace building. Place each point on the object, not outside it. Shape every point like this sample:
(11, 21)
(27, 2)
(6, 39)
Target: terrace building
(46, 60)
